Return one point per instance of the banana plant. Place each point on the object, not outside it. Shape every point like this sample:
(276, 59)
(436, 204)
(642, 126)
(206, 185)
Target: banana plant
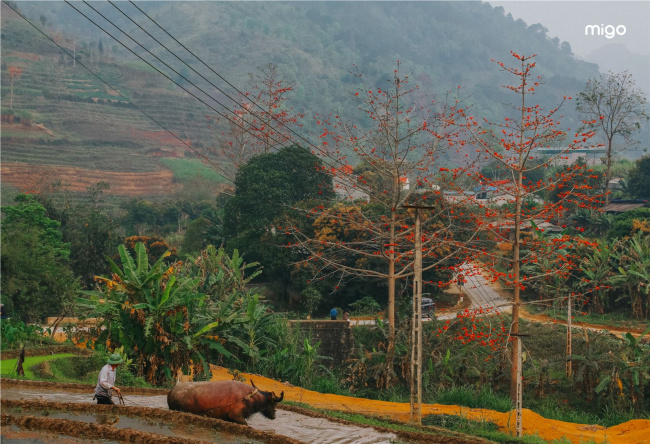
(160, 319)
(634, 272)
(221, 274)
(630, 375)
(596, 271)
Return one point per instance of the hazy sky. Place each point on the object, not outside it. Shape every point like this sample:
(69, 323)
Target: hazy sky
(567, 20)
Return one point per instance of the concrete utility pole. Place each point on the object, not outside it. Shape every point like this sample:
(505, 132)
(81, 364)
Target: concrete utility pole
(520, 390)
(568, 340)
(416, 333)
(416, 349)
(519, 383)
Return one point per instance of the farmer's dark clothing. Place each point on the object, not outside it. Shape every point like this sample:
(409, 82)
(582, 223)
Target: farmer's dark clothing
(105, 400)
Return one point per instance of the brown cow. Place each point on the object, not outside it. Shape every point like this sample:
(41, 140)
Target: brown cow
(229, 400)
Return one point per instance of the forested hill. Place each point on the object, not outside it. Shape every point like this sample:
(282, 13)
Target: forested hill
(441, 45)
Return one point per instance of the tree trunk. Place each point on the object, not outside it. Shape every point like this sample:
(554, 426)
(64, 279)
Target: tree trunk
(390, 352)
(608, 173)
(569, 351)
(515, 307)
(19, 364)
(11, 93)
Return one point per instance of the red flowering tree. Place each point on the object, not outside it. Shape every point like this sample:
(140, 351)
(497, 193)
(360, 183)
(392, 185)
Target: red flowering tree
(394, 160)
(260, 123)
(519, 196)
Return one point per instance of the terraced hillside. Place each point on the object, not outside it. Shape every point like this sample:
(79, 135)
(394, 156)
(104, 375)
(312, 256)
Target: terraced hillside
(68, 126)
(316, 46)
(34, 178)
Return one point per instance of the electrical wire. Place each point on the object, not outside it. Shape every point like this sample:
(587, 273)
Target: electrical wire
(165, 75)
(320, 150)
(110, 86)
(217, 74)
(190, 67)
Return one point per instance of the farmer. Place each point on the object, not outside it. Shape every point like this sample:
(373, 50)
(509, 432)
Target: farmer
(106, 380)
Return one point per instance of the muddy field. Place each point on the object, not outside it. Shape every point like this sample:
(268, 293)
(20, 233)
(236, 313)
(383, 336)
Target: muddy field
(42, 412)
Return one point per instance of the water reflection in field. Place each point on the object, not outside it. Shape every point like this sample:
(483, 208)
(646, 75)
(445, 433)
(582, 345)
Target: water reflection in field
(294, 425)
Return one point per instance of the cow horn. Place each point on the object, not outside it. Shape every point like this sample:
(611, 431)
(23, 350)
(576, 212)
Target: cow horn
(280, 398)
(253, 384)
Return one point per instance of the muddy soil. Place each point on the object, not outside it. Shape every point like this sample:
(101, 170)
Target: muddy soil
(86, 396)
(318, 430)
(13, 434)
(128, 424)
(43, 403)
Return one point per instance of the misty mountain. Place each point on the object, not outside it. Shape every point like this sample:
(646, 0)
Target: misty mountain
(316, 45)
(441, 44)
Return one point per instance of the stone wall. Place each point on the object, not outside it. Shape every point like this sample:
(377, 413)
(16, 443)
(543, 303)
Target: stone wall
(335, 338)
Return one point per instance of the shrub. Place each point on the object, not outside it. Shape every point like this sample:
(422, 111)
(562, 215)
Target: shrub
(14, 333)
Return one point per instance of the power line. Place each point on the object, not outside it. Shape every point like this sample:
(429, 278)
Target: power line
(217, 74)
(110, 86)
(163, 74)
(189, 66)
(320, 150)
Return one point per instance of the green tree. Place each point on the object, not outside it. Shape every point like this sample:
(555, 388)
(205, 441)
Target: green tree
(271, 183)
(638, 183)
(141, 218)
(87, 226)
(266, 190)
(36, 277)
(91, 233)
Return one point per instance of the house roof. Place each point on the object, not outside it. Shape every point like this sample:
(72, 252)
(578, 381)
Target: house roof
(526, 225)
(621, 206)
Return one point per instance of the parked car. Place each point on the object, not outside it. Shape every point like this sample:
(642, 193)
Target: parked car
(428, 307)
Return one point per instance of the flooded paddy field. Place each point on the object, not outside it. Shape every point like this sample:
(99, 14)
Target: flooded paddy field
(125, 424)
(56, 413)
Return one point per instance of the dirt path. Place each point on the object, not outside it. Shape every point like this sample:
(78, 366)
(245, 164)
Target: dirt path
(484, 299)
(544, 319)
(631, 432)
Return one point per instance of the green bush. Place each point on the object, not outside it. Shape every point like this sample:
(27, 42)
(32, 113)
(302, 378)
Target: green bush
(327, 384)
(14, 333)
(87, 370)
(365, 306)
(623, 222)
(474, 398)
(79, 369)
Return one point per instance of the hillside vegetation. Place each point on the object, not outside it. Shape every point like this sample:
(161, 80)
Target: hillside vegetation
(443, 45)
